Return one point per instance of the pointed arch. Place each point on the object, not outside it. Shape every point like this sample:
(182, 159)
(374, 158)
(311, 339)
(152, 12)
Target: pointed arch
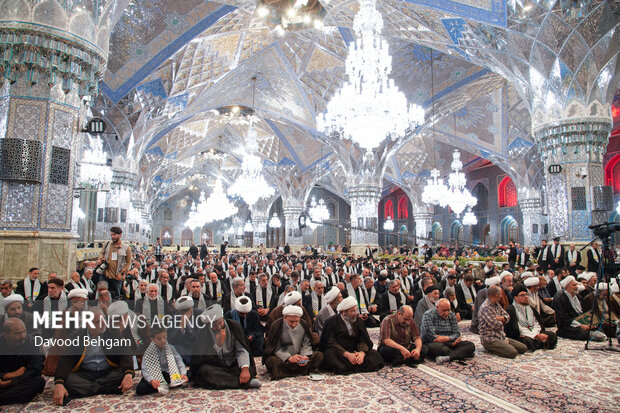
(403, 208)
(389, 209)
(507, 193)
(612, 173)
(509, 230)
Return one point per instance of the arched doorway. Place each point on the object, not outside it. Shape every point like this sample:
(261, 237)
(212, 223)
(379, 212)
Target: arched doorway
(486, 234)
(187, 237)
(612, 173)
(206, 236)
(509, 230)
(437, 233)
(166, 236)
(506, 193)
(456, 231)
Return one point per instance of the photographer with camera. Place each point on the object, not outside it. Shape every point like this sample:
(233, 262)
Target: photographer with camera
(115, 262)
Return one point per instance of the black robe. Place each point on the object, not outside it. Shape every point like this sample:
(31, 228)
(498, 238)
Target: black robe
(564, 315)
(512, 331)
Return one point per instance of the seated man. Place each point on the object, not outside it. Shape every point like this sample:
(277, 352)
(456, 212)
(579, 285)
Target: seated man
(567, 308)
(200, 300)
(400, 341)
(450, 295)
(183, 334)
(129, 326)
(14, 308)
(332, 298)
(291, 298)
(481, 297)
(221, 357)
(153, 305)
(466, 296)
(264, 297)
(393, 299)
(440, 332)
(492, 318)
(546, 312)
(315, 301)
(345, 343)
(289, 349)
(87, 370)
(525, 323)
(250, 321)
(162, 366)
(355, 290)
(20, 364)
(431, 296)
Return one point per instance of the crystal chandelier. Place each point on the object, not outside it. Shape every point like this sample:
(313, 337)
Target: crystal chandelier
(318, 211)
(469, 218)
(274, 222)
(248, 226)
(388, 225)
(369, 108)
(215, 208)
(458, 197)
(435, 191)
(93, 168)
(251, 185)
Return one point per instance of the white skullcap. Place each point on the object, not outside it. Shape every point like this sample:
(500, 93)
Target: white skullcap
(505, 274)
(244, 305)
(78, 293)
(212, 313)
(331, 295)
(117, 308)
(615, 289)
(580, 287)
(347, 303)
(531, 281)
(12, 298)
(383, 272)
(292, 297)
(601, 286)
(292, 310)
(587, 275)
(526, 275)
(567, 281)
(491, 281)
(184, 303)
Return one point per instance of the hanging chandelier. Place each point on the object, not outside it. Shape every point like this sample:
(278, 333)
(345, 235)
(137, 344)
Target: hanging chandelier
(318, 211)
(248, 226)
(369, 108)
(93, 168)
(274, 222)
(469, 218)
(459, 196)
(251, 185)
(215, 208)
(197, 214)
(435, 191)
(388, 225)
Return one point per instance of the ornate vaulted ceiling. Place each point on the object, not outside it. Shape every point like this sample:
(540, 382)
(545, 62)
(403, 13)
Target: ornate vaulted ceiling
(173, 62)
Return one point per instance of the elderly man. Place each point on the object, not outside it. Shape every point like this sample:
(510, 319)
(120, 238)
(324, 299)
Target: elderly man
(525, 324)
(572, 259)
(238, 290)
(75, 282)
(332, 298)
(466, 296)
(129, 326)
(221, 357)
(20, 364)
(87, 370)
(31, 288)
(291, 298)
(14, 308)
(354, 289)
(567, 311)
(400, 341)
(492, 318)
(214, 288)
(183, 334)
(546, 312)
(431, 296)
(166, 290)
(6, 289)
(393, 299)
(440, 332)
(450, 295)
(250, 321)
(315, 301)
(289, 348)
(481, 297)
(507, 282)
(153, 305)
(345, 343)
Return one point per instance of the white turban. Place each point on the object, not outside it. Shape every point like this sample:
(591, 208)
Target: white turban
(117, 308)
(12, 298)
(244, 305)
(78, 293)
(292, 310)
(492, 281)
(184, 303)
(587, 276)
(601, 286)
(532, 281)
(212, 313)
(567, 281)
(332, 294)
(505, 274)
(347, 303)
(526, 275)
(292, 297)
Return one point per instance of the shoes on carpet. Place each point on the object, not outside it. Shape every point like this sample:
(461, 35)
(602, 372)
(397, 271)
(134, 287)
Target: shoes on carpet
(254, 384)
(442, 359)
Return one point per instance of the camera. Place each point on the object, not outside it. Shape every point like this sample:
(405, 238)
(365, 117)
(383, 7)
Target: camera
(100, 270)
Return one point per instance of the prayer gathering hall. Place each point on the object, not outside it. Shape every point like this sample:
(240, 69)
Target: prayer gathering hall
(309, 205)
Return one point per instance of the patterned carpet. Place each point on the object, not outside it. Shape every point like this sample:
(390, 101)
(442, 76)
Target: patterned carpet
(567, 379)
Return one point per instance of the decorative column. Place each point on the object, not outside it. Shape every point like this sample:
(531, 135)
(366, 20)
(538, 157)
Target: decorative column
(113, 207)
(292, 209)
(531, 210)
(260, 219)
(364, 201)
(577, 146)
(423, 218)
(51, 58)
